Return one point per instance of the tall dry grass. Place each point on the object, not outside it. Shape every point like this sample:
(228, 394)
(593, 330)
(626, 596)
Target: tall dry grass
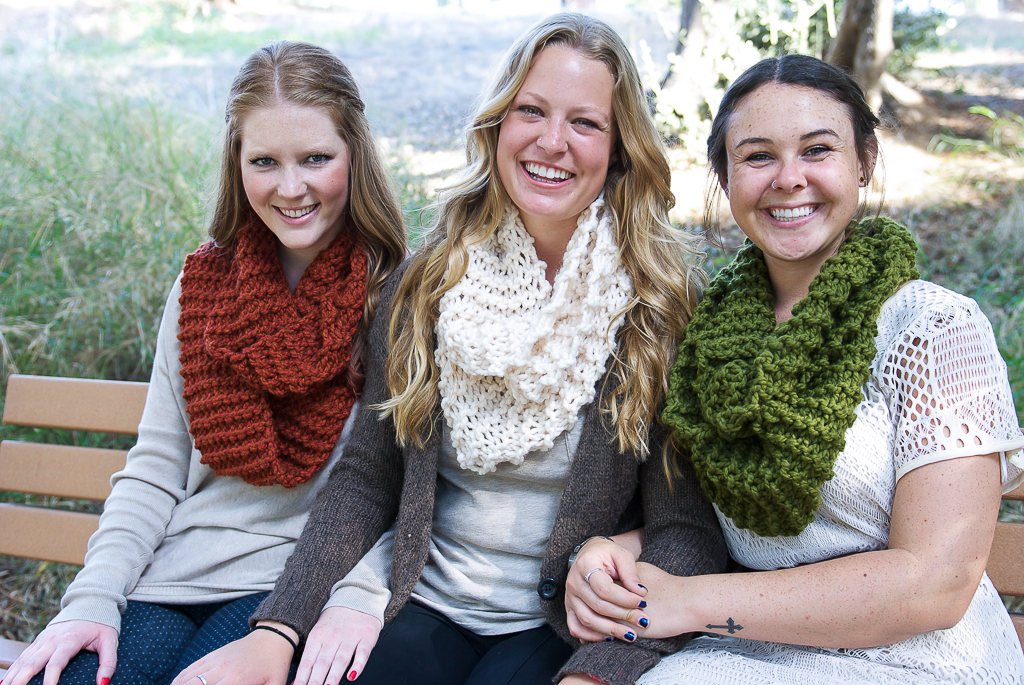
(99, 204)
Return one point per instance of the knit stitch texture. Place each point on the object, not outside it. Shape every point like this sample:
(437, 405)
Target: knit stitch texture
(764, 409)
(265, 371)
(518, 356)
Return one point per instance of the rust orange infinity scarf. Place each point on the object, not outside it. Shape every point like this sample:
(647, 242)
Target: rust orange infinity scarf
(266, 371)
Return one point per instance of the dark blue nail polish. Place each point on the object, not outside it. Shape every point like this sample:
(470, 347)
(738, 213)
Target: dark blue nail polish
(608, 638)
(643, 604)
(639, 585)
(644, 623)
(630, 636)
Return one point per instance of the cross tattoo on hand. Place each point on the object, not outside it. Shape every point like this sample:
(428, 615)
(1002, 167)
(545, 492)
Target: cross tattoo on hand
(730, 625)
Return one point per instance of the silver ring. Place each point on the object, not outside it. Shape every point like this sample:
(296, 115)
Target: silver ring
(773, 186)
(586, 578)
(202, 680)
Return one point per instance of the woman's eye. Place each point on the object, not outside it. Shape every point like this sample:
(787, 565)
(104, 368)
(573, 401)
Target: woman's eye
(817, 150)
(319, 159)
(586, 123)
(759, 157)
(530, 109)
(261, 161)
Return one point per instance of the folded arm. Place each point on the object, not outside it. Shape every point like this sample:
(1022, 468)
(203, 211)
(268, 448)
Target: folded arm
(943, 520)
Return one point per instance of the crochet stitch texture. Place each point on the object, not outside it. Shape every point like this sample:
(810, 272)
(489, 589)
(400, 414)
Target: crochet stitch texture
(518, 357)
(764, 409)
(265, 370)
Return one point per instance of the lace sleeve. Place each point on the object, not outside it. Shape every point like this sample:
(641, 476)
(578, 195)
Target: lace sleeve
(949, 392)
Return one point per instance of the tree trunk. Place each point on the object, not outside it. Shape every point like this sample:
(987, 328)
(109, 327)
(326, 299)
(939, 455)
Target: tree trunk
(690, 39)
(677, 88)
(853, 28)
(864, 44)
(871, 65)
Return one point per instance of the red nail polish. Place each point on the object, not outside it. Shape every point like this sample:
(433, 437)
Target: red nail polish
(105, 681)
(352, 675)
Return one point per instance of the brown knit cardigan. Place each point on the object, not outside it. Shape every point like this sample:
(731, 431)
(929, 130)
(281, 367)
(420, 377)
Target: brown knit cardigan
(375, 481)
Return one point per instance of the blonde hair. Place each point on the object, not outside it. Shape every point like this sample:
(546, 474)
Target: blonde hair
(307, 75)
(658, 257)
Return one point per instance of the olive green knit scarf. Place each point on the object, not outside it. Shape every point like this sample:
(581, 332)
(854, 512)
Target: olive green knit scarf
(764, 409)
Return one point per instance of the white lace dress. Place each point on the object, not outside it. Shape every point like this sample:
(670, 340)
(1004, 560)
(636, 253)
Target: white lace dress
(938, 390)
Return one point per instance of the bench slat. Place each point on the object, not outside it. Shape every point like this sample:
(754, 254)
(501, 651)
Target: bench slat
(9, 651)
(61, 470)
(1018, 623)
(1016, 494)
(45, 534)
(1004, 562)
(74, 403)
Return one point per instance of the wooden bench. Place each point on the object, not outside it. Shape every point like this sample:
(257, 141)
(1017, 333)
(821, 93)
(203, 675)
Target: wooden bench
(48, 533)
(115, 407)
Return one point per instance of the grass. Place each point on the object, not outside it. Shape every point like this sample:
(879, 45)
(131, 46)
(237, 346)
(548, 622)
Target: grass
(100, 203)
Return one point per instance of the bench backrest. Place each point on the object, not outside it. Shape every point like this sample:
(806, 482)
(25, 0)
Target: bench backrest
(115, 407)
(48, 533)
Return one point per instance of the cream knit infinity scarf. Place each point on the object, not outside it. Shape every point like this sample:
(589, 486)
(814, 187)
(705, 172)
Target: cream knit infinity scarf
(519, 357)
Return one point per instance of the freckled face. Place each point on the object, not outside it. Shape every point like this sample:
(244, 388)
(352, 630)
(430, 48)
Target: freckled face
(295, 174)
(802, 140)
(555, 144)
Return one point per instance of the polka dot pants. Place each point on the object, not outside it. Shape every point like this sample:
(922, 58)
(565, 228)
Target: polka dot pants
(158, 641)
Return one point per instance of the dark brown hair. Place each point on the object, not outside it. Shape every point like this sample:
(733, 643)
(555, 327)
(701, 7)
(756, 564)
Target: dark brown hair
(791, 70)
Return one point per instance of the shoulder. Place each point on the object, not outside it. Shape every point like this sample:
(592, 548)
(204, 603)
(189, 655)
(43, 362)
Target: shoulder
(382, 318)
(390, 288)
(922, 310)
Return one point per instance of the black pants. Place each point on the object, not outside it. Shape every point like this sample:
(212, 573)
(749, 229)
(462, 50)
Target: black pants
(423, 647)
(158, 641)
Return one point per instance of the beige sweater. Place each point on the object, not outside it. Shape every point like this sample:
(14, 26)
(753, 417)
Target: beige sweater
(174, 532)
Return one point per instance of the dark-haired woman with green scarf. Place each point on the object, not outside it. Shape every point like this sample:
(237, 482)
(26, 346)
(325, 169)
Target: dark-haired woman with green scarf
(853, 425)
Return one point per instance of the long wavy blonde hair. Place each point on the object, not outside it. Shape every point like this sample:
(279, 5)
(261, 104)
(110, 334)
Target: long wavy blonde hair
(659, 258)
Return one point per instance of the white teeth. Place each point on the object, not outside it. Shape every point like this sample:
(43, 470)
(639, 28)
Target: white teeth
(297, 213)
(547, 172)
(790, 214)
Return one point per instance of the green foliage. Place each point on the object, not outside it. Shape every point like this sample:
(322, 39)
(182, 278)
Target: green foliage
(778, 28)
(738, 33)
(99, 204)
(1005, 136)
(913, 34)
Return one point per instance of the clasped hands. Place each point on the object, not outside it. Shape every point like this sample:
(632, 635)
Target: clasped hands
(610, 595)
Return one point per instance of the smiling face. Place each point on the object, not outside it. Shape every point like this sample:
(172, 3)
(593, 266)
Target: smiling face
(295, 173)
(802, 140)
(556, 142)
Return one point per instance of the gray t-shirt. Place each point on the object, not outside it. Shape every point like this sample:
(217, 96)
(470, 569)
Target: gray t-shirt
(487, 542)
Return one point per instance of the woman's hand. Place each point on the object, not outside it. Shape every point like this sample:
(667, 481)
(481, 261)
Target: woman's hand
(58, 644)
(337, 647)
(603, 594)
(259, 658)
(578, 679)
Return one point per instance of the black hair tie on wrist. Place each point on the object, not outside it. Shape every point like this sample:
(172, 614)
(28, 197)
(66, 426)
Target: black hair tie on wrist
(279, 632)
